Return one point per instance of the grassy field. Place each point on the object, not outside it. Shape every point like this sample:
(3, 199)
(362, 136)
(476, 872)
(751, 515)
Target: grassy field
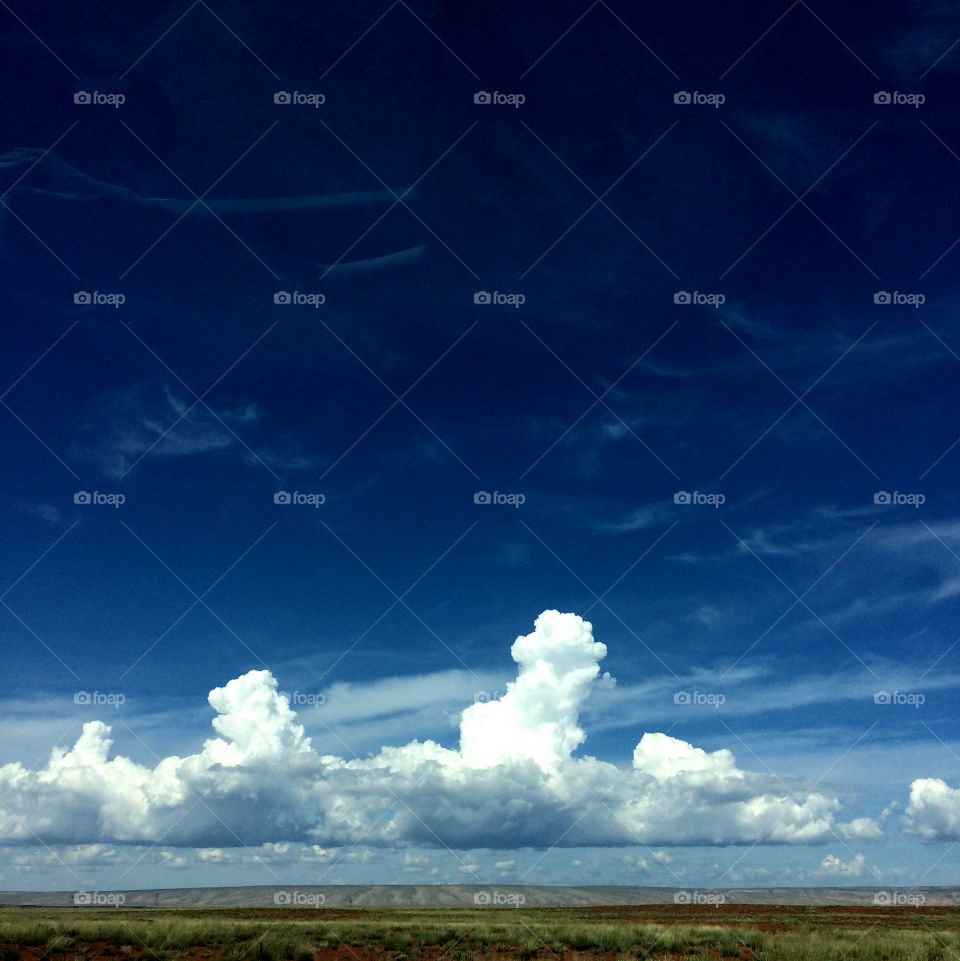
(641, 933)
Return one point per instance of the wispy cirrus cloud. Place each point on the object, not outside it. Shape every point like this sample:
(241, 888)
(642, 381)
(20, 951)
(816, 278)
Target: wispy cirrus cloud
(126, 426)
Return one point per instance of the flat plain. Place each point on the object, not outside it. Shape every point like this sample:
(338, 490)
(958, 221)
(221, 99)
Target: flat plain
(648, 932)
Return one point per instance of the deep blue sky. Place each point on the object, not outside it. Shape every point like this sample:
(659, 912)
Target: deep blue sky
(792, 393)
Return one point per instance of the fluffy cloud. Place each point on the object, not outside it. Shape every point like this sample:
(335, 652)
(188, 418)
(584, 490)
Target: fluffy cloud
(212, 855)
(513, 782)
(832, 866)
(537, 718)
(863, 829)
(933, 812)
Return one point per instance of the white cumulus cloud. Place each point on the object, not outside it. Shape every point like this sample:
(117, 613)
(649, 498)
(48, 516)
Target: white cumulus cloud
(832, 866)
(515, 780)
(933, 812)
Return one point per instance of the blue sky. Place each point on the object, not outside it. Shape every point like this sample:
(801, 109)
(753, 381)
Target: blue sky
(662, 338)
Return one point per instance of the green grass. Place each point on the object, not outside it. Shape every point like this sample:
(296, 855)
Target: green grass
(643, 933)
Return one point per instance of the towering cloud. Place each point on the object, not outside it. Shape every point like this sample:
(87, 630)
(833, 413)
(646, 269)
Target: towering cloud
(514, 781)
(538, 716)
